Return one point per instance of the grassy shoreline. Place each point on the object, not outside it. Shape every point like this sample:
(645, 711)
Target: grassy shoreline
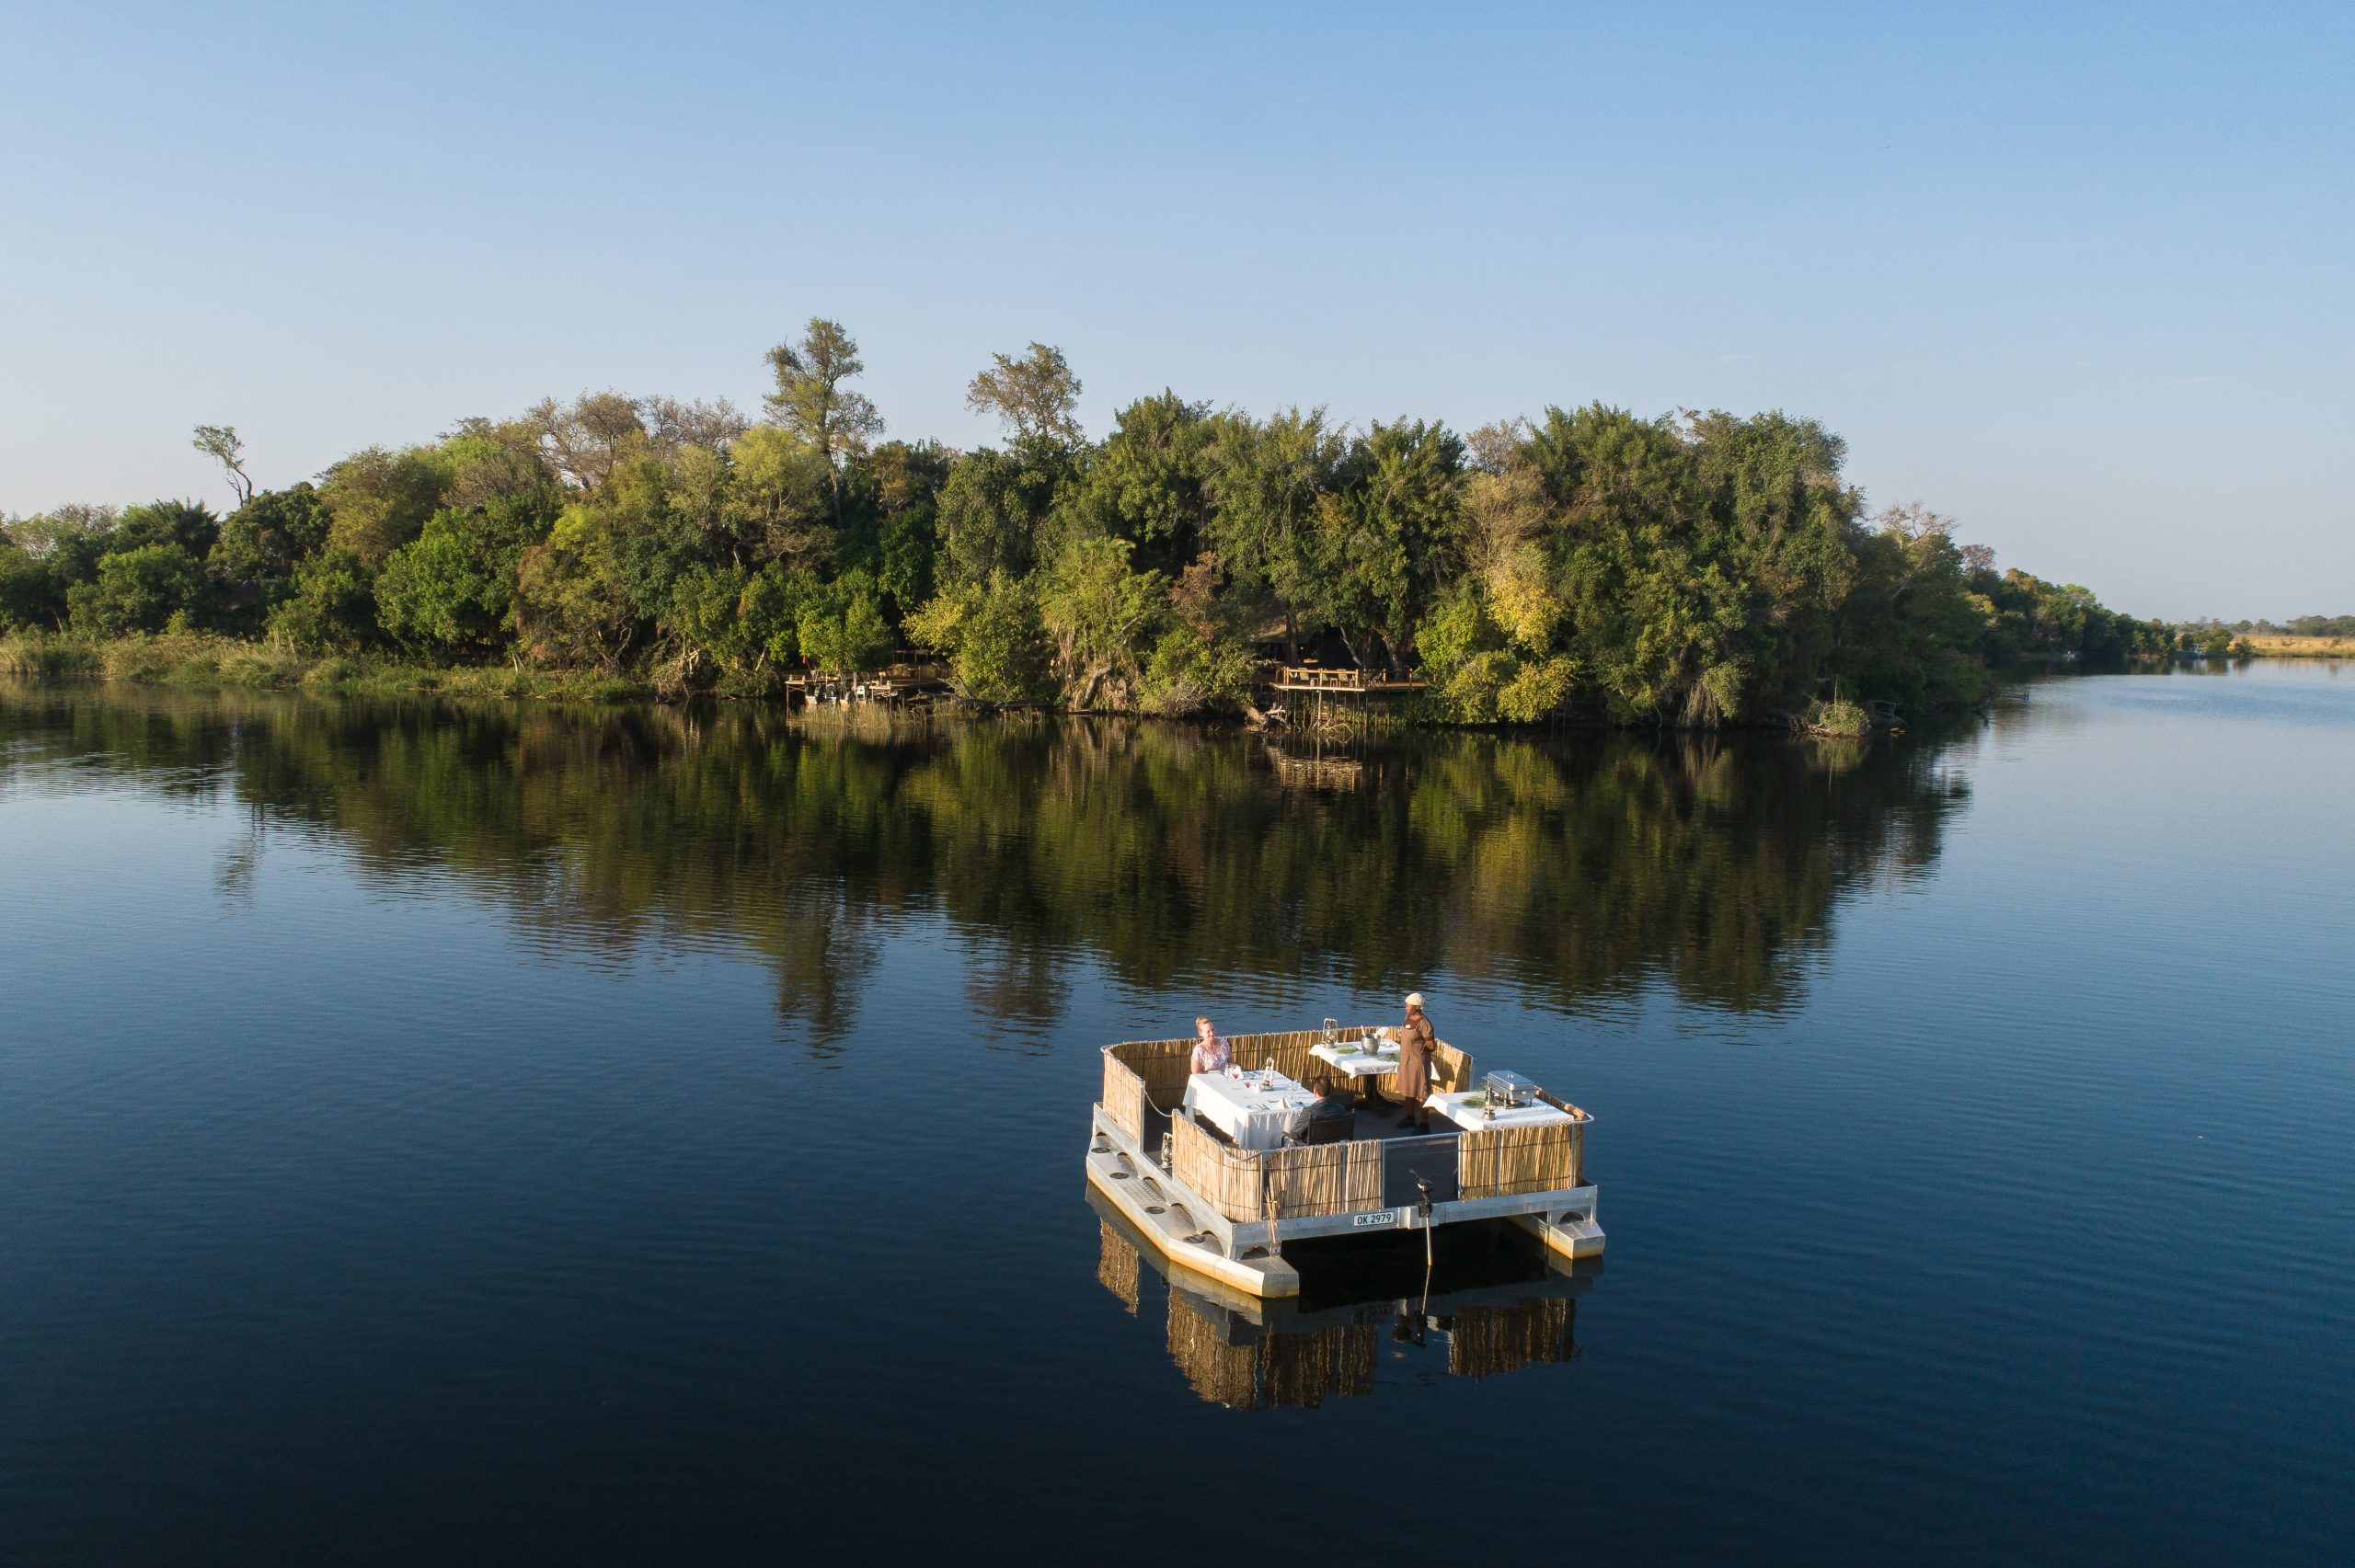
(208, 660)
(2299, 648)
(198, 658)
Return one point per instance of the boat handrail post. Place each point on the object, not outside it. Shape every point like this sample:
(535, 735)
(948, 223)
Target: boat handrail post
(1268, 1206)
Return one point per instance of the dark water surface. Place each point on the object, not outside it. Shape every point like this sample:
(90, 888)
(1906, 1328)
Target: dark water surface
(502, 1134)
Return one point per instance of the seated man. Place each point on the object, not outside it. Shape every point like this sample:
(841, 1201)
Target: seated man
(1327, 1107)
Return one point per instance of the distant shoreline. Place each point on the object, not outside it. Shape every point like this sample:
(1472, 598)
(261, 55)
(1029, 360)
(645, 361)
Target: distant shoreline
(2298, 648)
(207, 661)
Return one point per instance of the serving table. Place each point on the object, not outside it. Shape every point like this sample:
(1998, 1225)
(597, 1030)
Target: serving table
(1368, 1058)
(1465, 1111)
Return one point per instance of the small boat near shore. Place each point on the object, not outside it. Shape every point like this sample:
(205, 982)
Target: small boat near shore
(1210, 1170)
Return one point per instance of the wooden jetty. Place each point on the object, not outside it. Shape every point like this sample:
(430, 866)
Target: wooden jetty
(1338, 681)
(912, 680)
(1332, 696)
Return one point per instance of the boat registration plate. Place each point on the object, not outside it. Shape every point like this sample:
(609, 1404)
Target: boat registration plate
(1379, 1217)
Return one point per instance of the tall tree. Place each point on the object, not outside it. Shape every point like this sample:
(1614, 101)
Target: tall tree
(1149, 482)
(1380, 547)
(672, 423)
(812, 401)
(140, 589)
(379, 499)
(783, 493)
(1648, 606)
(65, 544)
(186, 524)
(453, 588)
(262, 546)
(1035, 395)
(1267, 482)
(220, 443)
(24, 586)
(996, 505)
(584, 440)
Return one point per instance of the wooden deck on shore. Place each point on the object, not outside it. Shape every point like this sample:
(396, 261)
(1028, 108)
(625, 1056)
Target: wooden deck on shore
(901, 682)
(1327, 680)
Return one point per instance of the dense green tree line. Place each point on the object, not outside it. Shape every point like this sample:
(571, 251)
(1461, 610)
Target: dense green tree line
(1693, 570)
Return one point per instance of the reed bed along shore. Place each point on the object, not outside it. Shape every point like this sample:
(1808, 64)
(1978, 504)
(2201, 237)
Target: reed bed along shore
(197, 658)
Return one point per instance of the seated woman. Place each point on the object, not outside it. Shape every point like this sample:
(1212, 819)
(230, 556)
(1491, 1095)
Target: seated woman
(1211, 1051)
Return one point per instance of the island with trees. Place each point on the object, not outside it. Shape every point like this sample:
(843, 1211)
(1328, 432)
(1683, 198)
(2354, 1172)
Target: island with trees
(1586, 564)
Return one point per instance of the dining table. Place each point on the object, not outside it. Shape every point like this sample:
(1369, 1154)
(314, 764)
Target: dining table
(1255, 1110)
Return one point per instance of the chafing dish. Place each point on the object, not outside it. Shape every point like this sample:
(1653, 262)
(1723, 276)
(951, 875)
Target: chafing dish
(1508, 1090)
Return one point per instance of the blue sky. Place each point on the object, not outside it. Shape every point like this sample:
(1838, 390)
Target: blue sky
(2078, 276)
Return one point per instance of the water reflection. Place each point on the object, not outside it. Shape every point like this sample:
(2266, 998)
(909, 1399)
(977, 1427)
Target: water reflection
(1492, 1301)
(1575, 870)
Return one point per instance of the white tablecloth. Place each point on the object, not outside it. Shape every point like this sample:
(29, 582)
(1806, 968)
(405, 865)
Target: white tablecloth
(1256, 1112)
(1470, 1116)
(1364, 1059)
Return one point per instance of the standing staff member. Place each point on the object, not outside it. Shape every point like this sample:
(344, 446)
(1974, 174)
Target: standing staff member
(1417, 1041)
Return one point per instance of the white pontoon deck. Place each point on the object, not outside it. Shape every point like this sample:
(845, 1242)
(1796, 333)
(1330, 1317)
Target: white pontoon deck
(1209, 1202)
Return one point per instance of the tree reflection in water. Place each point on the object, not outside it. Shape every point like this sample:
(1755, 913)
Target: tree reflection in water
(1576, 869)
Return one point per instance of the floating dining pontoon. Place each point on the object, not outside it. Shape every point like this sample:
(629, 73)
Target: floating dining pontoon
(1196, 1167)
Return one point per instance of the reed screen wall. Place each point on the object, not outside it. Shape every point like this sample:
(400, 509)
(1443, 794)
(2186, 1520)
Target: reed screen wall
(1228, 1178)
(1143, 1073)
(1333, 1178)
(1509, 1161)
(1328, 1178)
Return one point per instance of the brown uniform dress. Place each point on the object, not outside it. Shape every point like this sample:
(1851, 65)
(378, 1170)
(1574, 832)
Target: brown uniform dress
(1413, 1084)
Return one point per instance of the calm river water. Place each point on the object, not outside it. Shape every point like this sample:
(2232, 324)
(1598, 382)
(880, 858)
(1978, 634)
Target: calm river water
(490, 1134)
